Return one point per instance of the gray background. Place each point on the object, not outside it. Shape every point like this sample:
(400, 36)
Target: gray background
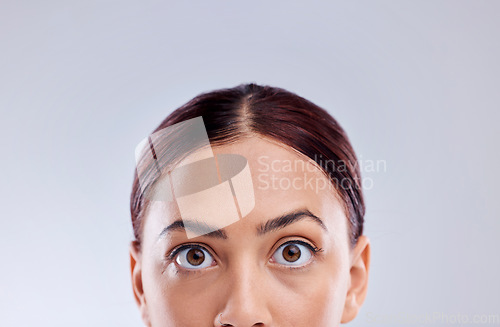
(414, 83)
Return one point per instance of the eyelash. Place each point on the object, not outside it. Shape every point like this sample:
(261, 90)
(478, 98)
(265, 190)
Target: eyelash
(172, 255)
(311, 247)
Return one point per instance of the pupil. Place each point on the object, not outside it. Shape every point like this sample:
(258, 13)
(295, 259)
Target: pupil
(291, 253)
(195, 257)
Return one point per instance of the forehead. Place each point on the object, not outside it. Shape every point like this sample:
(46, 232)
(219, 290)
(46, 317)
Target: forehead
(282, 180)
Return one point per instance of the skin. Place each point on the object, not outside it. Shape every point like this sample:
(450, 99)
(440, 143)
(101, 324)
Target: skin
(247, 281)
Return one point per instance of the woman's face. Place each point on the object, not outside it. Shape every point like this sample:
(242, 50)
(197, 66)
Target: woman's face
(287, 263)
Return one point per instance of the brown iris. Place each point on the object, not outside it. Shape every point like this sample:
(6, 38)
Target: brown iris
(291, 253)
(195, 257)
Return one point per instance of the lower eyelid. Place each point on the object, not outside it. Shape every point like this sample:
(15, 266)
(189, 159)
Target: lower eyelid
(184, 271)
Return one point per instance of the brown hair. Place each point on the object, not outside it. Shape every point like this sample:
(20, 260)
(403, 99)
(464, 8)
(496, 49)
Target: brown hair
(232, 113)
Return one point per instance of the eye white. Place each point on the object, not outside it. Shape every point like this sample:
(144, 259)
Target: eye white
(182, 259)
(305, 255)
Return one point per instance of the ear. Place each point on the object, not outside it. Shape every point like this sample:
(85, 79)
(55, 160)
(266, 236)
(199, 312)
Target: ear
(360, 264)
(136, 271)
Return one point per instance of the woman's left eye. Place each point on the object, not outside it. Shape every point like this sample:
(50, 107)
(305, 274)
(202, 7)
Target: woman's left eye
(194, 258)
(293, 254)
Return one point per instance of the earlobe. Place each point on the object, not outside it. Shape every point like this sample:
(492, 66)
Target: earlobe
(360, 264)
(137, 287)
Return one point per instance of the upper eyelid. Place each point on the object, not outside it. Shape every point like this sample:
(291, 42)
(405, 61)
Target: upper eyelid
(309, 244)
(298, 242)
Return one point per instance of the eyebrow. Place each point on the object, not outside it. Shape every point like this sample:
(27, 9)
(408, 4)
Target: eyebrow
(270, 226)
(195, 226)
(281, 222)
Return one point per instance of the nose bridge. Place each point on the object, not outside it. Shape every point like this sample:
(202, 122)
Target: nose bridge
(245, 280)
(246, 299)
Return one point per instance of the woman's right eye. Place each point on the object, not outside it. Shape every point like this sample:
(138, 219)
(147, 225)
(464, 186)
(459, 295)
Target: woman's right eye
(194, 258)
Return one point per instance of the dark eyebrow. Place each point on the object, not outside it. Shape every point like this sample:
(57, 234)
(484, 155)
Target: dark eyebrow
(197, 227)
(278, 223)
(273, 225)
